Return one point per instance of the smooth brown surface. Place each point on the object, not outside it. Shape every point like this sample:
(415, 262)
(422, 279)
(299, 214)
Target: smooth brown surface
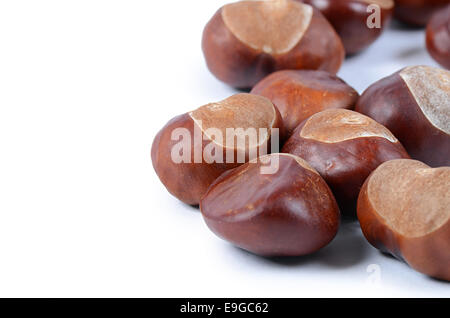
(349, 19)
(403, 209)
(344, 147)
(240, 53)
(414, 104)
(299, 94)
(417, 12)
(188, 181)
(289, 213)
(438, 37)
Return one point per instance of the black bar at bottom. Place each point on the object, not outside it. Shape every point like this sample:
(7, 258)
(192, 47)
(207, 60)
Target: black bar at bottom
(218, 307)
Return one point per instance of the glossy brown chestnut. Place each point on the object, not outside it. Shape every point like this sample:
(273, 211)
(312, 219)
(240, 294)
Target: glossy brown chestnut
(414, 104)
(247, 40)
(300, 94)
(404, 209)
(417, 12)
(289, 212)
(353, 20)
(193, 149)
(438, 37)
(344, 147)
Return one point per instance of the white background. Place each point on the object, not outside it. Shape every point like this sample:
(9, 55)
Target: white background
(84, 87)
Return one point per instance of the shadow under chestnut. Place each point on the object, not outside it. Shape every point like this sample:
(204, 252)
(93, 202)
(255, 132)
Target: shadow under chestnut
(348, 248)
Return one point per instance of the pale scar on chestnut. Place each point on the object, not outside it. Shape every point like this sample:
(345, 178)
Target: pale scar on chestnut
(271, 26)
(431, 89)
(411, 197)
(337, 125)
(385, 4)
(239, 111)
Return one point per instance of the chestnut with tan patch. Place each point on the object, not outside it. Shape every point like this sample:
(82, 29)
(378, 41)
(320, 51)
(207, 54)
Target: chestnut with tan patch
(344, 147)
(247, 40)
(403, 209)
(414, 104)
(350, 20)
(289, 213)
(298, 94)
(188, 181)
(276, 26)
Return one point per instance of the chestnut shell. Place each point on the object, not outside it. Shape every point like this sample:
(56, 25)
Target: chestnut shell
(240, 66)
(289, 213)
(438, 37)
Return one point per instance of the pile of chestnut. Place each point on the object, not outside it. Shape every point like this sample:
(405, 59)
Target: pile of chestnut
(382, 157)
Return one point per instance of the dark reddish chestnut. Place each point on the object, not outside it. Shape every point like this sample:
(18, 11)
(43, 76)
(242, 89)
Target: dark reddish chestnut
(414, 104)
(300, 94)
(247, 40)
(417, 12)
(193, 149)
(287, 212)
(438, 37)
(358, 24)
(404, 209)
(344, 147)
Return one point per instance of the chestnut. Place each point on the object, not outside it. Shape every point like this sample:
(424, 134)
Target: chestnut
(417, 12)
(414, 104)
(288, 212)
(193, 149)
(438, 37)
(298, 94)
(403, 209)
(344, 147)
(350, 19)
(247, 40)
